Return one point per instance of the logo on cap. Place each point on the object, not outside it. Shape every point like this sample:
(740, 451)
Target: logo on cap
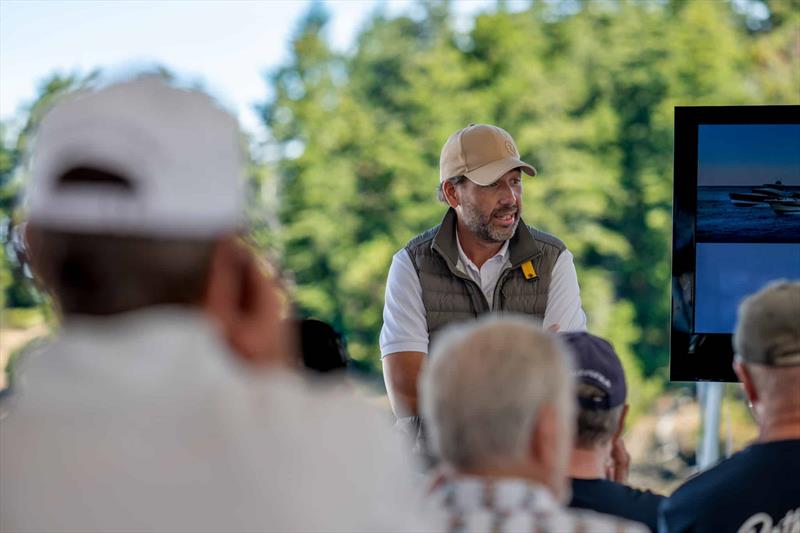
(593, 374)
(510, 148)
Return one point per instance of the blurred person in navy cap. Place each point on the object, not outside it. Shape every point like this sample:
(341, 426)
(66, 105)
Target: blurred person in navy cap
(599, 462)
(165, 402)
(757, 489)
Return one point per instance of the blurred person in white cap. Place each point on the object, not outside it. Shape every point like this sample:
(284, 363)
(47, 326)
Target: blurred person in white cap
(482, 258)
(165, 402)
(497, 396)
(758, 488)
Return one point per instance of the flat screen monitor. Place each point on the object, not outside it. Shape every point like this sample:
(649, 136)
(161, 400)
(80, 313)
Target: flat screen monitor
(736, 225)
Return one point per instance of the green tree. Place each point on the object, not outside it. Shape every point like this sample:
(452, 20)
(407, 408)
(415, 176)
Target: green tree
(17, 289)
(587, 89)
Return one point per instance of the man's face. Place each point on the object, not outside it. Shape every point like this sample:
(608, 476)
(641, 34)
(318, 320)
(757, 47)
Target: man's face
(491, 212)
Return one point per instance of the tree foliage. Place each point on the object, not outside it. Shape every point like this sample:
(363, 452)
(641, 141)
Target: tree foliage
(16, 289)
(586, 88)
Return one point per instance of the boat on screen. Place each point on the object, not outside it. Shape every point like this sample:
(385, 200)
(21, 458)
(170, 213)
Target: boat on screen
(768, 195)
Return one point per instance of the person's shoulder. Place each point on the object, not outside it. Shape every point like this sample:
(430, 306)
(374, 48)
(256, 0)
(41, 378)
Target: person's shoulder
(640, 495)
(401, 260)
(550, 521)
(32, 355)
(422, 239)
(608, 487)
(760, 459)
(715, 494)
(702, 489)
(773, 449)
(617, 499)
(322, 437)
(347, 417)
(339, 432)
(586, 520)
(699, 487)
(737, 466)
(546, 239)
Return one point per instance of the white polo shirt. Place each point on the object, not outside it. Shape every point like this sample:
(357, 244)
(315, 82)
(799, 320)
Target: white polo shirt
(144, 422)
(405, 328)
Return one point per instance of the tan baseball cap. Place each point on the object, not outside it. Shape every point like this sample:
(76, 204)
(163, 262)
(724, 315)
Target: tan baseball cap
(482, 153)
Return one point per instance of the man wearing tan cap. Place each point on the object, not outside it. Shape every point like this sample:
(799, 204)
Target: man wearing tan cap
(480, 259)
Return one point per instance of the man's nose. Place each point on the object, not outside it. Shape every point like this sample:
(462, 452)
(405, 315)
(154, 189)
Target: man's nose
(507, 194)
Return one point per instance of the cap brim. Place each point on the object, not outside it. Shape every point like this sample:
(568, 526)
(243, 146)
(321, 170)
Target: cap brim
(491, 172)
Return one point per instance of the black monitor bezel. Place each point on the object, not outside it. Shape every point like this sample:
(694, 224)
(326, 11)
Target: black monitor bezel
(693, 356)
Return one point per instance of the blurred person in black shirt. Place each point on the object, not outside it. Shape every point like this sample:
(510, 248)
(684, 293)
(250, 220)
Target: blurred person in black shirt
(757, 489)
(322, 348)
(599, 461)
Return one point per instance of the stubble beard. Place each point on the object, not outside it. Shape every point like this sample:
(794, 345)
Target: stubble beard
(481, 225)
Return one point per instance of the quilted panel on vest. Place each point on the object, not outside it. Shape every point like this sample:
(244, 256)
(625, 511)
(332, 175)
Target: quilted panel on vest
(448, 299)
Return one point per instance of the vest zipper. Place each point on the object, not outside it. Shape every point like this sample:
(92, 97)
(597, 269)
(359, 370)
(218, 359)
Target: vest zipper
(476, 290)
(500, 281)
(498, 286)
(472, 287)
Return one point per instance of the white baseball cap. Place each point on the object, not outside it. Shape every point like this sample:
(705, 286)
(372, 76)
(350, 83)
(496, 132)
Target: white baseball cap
(179, 154)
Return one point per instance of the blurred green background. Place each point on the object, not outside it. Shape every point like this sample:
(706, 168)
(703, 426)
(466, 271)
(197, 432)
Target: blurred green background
(349, 169)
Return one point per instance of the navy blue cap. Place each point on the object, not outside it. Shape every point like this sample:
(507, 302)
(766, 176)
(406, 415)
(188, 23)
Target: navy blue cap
(597, 364)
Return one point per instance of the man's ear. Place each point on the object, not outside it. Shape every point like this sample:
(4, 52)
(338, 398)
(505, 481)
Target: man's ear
(621, 427)
(451, 194)
(246, 305)
(543, 435)
(223, 284)
(548, 450)
(747, 381)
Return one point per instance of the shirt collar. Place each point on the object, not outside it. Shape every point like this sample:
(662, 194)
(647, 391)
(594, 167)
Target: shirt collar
(171, 320)
(502, 253)
(141, 340)
(468, 493)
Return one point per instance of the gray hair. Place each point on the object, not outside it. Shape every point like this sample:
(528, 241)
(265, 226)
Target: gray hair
(768, 326)
(456, 180)
(595, 426)
(486, 383)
